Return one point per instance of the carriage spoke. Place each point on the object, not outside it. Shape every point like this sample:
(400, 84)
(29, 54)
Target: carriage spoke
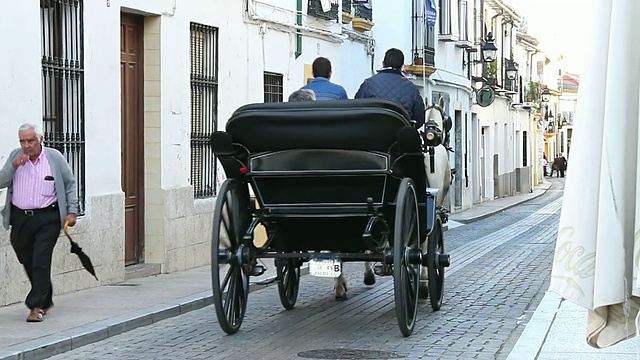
(230, 292)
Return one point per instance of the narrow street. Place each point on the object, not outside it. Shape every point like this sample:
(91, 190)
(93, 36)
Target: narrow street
(500, 271)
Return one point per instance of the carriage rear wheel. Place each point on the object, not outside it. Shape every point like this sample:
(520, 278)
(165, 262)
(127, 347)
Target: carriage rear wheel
(229, 275)
(288, 271)
(406, 241)
(435, 269)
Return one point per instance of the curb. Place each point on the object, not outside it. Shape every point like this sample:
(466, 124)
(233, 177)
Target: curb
(536, 331)
(541, 192)
(74, 338)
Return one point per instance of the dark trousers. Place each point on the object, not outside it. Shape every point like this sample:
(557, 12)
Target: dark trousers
(33, 238)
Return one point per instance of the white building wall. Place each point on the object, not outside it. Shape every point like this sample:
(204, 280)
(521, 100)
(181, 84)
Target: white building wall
(393, 29)
(178, 228)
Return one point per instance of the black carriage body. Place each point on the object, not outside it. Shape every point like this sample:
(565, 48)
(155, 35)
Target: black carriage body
(322, 170)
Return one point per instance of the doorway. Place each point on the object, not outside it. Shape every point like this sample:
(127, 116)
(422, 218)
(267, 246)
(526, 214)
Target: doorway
(132, 125)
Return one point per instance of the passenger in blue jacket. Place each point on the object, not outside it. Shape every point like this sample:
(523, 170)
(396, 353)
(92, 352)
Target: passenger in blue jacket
(321, 84)
(389, 83)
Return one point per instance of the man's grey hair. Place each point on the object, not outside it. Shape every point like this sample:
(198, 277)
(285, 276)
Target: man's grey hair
(302, 95)
(35, 128)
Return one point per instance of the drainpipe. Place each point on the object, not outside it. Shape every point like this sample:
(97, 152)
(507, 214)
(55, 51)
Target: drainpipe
(298, 32)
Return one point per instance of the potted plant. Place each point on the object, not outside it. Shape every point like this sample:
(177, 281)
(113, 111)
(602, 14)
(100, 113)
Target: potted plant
(492, 70)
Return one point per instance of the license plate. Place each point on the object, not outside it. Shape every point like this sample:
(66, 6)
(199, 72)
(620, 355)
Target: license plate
(325, 267)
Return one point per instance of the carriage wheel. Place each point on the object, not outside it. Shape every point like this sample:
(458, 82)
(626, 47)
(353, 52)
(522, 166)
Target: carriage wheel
(229, 276)
(288, 271)
(435, 270)
(406, 240)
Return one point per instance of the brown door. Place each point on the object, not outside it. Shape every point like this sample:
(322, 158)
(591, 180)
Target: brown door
(131, 73)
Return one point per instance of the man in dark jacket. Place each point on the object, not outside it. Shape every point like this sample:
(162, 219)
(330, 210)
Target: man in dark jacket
(390, 84)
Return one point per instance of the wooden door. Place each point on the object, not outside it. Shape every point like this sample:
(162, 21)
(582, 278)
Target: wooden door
(132, 156)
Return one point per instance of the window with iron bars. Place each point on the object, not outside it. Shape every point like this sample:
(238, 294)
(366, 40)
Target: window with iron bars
(273, 87)
(61, 23)
(423, 39)
(203, 52)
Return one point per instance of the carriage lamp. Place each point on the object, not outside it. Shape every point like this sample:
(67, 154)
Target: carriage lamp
(546, 95)
(511, 70)
(489, 49)
(432, 133)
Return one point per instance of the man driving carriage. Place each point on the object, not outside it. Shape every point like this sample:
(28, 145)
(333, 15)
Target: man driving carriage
(389, 83)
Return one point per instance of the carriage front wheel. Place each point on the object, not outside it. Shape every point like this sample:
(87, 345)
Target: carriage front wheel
(435, 268)
(229, 276)
(406, 242)
(288, 271)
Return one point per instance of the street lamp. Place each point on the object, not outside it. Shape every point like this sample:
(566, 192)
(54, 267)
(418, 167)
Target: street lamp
(489, 49)
(512, 70)
(546, 95)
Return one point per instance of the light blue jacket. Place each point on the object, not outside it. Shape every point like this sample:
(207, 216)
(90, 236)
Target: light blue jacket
(63, 178)
(326, 90)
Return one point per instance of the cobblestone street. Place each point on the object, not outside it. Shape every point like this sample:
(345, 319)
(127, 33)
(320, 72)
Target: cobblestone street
(499, 272)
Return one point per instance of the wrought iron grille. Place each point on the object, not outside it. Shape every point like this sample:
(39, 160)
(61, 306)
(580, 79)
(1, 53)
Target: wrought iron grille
(423, 36)
(346, 6)
(314, 9)
(363, 10)
(273, 87)
(203, 52)
(61, 23)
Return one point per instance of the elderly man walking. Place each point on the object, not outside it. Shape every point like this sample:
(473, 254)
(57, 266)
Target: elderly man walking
(41, 196)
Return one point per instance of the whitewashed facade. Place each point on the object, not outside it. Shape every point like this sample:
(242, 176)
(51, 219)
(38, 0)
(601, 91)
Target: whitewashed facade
(174, 226)
(137, 103)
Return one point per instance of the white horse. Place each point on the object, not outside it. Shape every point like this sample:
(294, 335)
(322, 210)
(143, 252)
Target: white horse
(439, 174)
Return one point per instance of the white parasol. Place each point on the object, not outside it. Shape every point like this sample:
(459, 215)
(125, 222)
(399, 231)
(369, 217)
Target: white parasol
(598, 245)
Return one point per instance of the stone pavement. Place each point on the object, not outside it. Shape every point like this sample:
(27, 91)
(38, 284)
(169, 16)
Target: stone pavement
(555, 330)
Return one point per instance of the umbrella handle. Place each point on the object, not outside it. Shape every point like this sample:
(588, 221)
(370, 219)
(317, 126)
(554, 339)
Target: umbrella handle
(66, 230)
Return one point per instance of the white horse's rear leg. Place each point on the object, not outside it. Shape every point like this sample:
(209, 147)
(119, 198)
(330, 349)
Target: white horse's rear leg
(369, 276)
(340, 289)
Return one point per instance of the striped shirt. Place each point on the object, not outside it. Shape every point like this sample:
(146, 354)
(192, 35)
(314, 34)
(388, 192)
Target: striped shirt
(30, 189)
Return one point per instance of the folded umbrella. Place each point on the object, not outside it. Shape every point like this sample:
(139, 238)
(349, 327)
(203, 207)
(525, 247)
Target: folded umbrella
(76, 249)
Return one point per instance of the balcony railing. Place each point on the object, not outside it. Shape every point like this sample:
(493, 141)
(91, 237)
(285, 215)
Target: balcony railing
(346, 6)
(315, 9)
(363, 10)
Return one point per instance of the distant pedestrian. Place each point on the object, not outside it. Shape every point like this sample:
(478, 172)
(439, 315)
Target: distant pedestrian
(41, 196)
(562, 164)
(321, 83)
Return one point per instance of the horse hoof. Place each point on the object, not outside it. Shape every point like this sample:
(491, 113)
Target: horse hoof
(369, 278)
(423, 291)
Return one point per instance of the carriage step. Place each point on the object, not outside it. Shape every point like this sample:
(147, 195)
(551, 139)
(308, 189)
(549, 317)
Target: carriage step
(383, 270)
(258, 270)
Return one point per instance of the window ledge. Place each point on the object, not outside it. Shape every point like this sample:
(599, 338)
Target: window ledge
(447, 37)
(464, 44)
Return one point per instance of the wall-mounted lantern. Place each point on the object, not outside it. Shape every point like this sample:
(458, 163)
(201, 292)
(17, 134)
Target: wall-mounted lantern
(489, 49)
(511, 70)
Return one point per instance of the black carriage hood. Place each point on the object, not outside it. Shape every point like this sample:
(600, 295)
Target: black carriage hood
(362, 124)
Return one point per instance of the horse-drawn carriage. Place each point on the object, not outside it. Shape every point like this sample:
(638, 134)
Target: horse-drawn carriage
(334, 181)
